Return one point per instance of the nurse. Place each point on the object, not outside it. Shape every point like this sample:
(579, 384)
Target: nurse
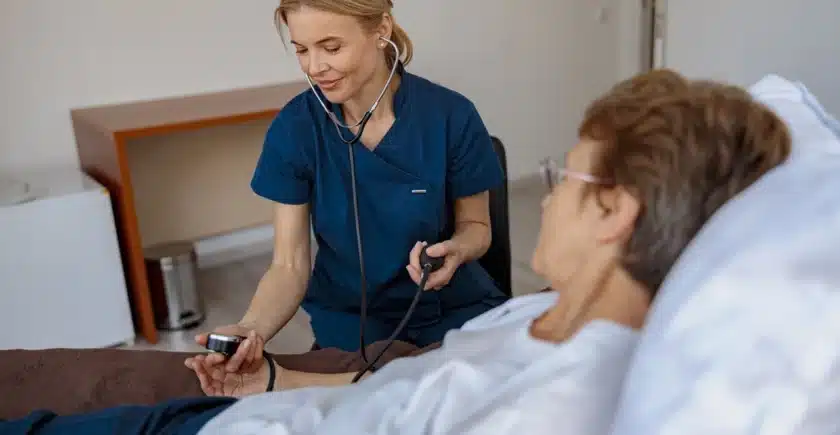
(423, 166)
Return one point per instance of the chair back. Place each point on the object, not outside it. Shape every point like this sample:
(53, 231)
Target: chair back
(497, 260)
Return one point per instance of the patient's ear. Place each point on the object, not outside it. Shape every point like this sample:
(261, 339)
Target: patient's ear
(620, 209)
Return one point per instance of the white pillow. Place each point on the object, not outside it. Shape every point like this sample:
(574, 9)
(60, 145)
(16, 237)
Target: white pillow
(744, 337)
(814, 129)
(830, 121)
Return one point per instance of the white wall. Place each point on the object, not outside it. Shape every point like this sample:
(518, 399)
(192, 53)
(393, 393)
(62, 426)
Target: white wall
(742, 40)
(530, 69)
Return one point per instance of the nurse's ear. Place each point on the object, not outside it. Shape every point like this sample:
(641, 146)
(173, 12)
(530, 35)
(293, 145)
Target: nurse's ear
(384, 30)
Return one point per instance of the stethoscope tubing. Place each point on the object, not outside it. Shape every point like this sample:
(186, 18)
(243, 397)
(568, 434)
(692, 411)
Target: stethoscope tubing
(361, 124)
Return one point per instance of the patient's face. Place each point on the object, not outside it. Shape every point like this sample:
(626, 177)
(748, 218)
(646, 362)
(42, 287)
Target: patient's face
(335, 50)
(570, 219)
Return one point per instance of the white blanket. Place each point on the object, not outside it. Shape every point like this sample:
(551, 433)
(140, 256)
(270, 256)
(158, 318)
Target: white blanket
(489, 377)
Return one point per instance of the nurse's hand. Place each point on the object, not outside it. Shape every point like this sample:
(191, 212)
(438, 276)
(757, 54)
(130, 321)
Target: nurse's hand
(248, 357)
(439, 278)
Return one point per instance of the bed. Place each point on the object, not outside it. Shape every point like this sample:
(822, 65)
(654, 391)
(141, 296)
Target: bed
(72, 381)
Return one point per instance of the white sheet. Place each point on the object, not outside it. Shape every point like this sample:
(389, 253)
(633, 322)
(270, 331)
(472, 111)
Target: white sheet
(490, 377)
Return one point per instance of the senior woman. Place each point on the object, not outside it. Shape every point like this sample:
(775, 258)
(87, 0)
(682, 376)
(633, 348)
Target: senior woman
(657, 156)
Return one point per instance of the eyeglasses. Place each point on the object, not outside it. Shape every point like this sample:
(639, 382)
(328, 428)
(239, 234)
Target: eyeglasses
(552, 174)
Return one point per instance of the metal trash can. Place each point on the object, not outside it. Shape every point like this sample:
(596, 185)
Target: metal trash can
(171, 270)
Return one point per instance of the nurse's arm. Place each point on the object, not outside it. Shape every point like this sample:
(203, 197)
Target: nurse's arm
(282, 288)
(472, 235)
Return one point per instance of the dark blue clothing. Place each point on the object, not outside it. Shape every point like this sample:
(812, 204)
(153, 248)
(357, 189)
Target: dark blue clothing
(437, 150)
(175, 417)
(332, 327)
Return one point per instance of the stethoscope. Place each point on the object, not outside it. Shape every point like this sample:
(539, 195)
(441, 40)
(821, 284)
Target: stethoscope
(361, 125)
(363, 122)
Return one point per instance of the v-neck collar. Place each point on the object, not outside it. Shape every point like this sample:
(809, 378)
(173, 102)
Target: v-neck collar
(399, 96)
(400, 105)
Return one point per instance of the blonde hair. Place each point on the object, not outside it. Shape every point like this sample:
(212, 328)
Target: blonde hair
(368, 12)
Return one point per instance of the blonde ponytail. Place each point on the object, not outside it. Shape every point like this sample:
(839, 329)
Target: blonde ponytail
(400, 37)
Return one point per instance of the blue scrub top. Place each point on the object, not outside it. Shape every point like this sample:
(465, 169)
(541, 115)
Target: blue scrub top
(437, 150)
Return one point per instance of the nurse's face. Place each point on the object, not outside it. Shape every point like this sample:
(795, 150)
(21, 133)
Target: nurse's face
(576, 230)
(335, 50)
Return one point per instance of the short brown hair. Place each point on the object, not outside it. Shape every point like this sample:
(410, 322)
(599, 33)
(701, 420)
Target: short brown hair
(683, 148)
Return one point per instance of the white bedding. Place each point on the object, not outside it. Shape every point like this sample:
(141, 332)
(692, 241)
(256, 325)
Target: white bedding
(490, 377)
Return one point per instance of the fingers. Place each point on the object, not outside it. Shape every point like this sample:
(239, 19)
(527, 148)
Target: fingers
(235, 330)
(214, 370)
(258, 352)
(203, 376)
(235, 362)
(217, 374)
(413, 267)
(248, 357)
(255, 352)
(414, 255)
(214, 359)
(436, 280)
(208, 360)
(413, 273)
(214, 375)
(201, 339)
(439, 249)
(414, 262)
(440, 278)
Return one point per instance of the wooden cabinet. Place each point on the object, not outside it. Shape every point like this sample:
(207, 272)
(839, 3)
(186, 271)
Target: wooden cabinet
(177, 169)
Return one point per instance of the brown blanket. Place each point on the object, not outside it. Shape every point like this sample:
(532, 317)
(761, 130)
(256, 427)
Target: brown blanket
(72, 381)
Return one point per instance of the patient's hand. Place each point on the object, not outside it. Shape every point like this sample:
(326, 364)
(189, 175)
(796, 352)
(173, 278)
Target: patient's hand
(248, 357)
(215, 380)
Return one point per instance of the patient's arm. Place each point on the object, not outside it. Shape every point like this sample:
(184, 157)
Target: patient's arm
(216, 381)
(293, 379)
(303, 378)
(296, 371)
(288, 379)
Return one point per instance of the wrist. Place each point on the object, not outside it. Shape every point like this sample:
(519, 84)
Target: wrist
(472, 240)
(252, 325)
(460, 250)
